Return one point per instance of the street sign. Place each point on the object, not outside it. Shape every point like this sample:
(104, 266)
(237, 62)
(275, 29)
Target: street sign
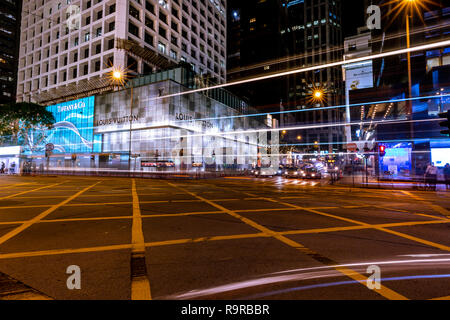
(352, 147)
(135, 155)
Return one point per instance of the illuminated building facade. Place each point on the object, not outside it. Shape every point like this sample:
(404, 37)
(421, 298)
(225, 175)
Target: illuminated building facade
(148, 126)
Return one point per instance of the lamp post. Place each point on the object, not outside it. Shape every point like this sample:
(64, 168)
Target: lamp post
(318, 97)
(408, 6)
(119, 77)
(410, 3)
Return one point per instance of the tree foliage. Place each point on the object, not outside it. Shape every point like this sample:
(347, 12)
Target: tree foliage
(25, 123)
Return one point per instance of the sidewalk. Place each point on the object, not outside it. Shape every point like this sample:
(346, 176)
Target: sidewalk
(359, 181)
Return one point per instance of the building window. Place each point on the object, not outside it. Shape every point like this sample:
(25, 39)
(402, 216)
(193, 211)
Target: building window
(163, 32)
(133, 29)
(149, 39)
(162, 48)
(148, 22)
(134, 12)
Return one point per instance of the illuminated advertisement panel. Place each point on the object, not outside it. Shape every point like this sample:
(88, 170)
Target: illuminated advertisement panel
(73, 128)
(359, 75)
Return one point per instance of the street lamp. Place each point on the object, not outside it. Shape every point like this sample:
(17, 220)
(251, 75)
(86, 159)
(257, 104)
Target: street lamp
(318, 94)
(118, 76)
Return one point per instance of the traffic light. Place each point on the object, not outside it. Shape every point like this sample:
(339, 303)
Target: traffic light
(445, 124)
(382, 151)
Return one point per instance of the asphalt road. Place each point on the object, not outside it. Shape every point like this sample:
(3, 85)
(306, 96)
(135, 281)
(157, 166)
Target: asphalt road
(236, 238)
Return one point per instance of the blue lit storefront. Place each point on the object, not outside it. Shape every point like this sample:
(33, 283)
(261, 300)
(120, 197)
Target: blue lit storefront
(133, 130)
(71, 135)
(397, 161)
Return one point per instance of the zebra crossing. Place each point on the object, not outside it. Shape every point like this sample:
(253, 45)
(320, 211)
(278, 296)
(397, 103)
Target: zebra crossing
(280, 181)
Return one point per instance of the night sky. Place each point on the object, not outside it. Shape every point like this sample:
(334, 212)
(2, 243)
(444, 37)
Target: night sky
(353, 16)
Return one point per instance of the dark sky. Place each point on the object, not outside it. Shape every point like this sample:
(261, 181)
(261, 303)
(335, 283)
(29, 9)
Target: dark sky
(353, 16)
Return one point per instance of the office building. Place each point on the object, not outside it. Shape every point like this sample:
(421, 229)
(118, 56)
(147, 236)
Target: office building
(10, 11)
(69, 46)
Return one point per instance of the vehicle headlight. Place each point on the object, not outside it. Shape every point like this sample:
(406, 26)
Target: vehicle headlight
(313, 175)
(295, 173)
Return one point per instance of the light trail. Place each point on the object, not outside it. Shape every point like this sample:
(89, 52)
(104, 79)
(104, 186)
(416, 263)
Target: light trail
(321, 108)
(331, 50)
(314, 273)
(313, 68)
(294, 128)
(340, 283)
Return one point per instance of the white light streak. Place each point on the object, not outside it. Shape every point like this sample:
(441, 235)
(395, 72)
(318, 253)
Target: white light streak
(313, 68)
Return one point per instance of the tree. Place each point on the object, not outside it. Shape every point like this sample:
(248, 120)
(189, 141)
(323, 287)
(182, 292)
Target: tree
(26, 123)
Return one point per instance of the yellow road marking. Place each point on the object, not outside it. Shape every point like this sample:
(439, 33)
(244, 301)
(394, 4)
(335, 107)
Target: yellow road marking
(403, 235)
(26, 207)
(349, 228)
(206, 239)
(16, 185)
(28, 191)
(30, 254)
(442, 298)
(410, 212)
(140, 285)
(384, 291)
(39, 217)
(435, 207)
(203, 239)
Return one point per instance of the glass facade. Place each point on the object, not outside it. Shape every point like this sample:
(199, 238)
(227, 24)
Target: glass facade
(148, 125)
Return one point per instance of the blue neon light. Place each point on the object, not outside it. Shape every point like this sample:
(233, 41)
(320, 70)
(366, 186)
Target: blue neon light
(73, 129)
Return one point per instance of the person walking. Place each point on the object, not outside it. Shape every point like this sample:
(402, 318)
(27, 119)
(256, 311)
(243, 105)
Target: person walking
(12, 168)
(2, 168)
(431, 176)
(447, 176)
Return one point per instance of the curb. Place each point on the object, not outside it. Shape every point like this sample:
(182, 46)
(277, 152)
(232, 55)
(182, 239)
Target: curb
(12, 289)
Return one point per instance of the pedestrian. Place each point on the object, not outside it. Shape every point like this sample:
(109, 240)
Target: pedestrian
(12, 168)
(2, 168)
(447, 176)
(431, 176)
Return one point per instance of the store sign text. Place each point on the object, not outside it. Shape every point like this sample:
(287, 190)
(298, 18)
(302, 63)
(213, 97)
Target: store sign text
(121, 120)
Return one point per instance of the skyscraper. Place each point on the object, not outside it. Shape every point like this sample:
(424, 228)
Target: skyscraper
(313, 32)
(73, 43)
(254, 42)
(276, 35)
(9, 48)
